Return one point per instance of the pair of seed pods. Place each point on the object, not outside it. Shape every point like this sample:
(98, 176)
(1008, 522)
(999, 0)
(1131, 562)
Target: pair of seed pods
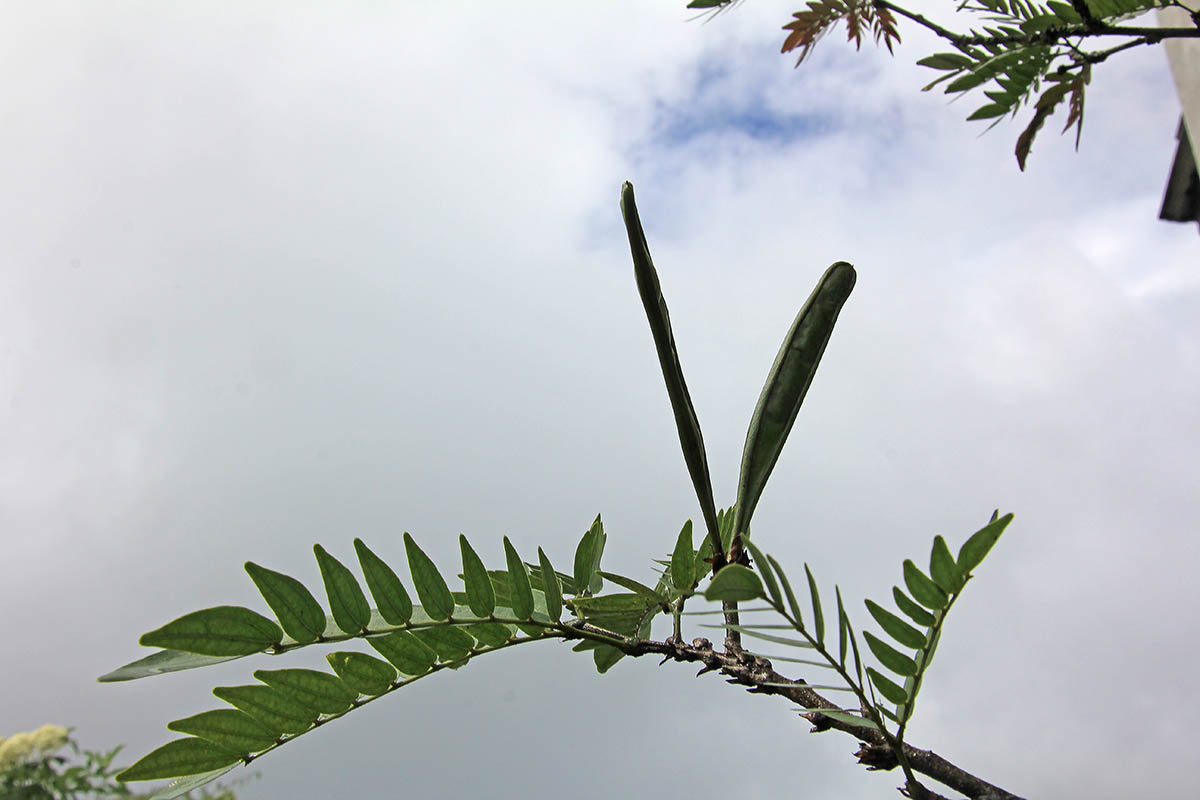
(782, 394)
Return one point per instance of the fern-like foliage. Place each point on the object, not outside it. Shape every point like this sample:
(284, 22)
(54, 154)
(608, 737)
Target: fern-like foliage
(496, 610)
(821, 16)
(526, 602)
(1031, 52)
(887, 697)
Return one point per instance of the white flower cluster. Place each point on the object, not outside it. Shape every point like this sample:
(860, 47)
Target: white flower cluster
(20, 746)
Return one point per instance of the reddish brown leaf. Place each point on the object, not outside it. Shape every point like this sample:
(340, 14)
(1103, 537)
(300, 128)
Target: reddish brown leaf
(854, 26)
(810, 25)
(1045, 107)
(885, 25)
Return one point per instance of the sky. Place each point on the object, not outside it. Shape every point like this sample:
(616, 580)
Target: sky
(285, 273)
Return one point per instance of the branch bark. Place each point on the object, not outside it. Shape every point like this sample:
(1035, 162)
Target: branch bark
(756, 674)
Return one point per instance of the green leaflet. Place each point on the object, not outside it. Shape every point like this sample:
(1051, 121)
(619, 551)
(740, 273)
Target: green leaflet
(299, 613)
(605, 656)
(912, 609)
(587, 559)
(269, 706)
(349, 605)
(895, 627)
(889, 656)
(363, 673)
(502, 585)
(480, 596)
(756, 632)
(431, 586)
(945, 61)
(843, 627)
(786, 385)
(218, 631)
(843, 716)
(566, 582)
(734, 583)
(391, 598)
(319, 691)
(923, 590)
(182, 786)
(522, 592)
(620, 613)
(406, 652)
(635, 587)
(450, 644)
(887, 688)
(683, 560)
(704, 559)
(162, 662)
(787, 590)
(942, 567)
(766, 573)
(973, 551)
(188, 756)
(490, 634)
(550, 588)
(228, 729)
(818, 617)
(725, 527)
(688, 426)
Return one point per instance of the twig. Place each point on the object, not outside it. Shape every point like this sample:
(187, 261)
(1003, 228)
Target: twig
(759, 677)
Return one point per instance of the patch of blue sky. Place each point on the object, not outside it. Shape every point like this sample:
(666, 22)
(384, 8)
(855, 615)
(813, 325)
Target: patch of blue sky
(755, 122)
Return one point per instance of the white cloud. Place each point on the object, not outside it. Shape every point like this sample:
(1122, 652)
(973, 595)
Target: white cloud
(290, 274)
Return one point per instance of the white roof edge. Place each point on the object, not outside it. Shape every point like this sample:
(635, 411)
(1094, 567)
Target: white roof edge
(1184, 58)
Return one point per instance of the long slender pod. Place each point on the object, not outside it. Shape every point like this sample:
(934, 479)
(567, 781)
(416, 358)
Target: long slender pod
(686, 422)
(786, 386)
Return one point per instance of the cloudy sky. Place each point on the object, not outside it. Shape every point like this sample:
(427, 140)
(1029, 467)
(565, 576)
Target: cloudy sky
(278, 274)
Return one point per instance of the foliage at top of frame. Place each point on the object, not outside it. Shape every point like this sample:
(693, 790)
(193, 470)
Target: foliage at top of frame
(1028, 52)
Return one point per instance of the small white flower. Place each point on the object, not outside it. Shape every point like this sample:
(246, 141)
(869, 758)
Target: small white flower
(15, 748)
(49, 738)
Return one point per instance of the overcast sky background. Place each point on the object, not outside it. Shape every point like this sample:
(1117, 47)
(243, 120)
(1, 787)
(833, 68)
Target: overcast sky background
(278, 274)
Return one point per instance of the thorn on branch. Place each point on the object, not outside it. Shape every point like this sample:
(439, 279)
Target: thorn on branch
(876, 757)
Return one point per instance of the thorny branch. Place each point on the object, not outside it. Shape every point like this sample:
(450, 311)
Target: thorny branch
(758, 676)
